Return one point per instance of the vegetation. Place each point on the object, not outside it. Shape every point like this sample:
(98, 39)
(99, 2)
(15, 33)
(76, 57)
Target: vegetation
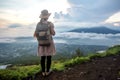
(19, 72)
(113, 50)
(78, 53)
(76, 60)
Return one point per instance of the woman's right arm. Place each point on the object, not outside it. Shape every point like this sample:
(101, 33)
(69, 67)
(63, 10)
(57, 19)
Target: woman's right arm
(34, 35)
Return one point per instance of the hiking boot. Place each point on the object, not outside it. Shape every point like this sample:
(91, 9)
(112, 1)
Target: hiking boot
(43, 74)
(48, 73)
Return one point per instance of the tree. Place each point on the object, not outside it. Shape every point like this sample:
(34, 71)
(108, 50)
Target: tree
(78, 52)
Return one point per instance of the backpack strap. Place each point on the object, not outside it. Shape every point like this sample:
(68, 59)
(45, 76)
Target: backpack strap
(49, 25)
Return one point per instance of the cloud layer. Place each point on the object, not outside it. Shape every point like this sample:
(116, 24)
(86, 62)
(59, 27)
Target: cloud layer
(74, 35)
(14, 25)
(88, 38)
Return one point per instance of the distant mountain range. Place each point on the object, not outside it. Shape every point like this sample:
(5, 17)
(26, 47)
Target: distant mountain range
(102, 30)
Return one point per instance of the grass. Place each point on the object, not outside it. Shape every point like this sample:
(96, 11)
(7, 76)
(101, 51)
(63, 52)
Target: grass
(19, 72)
(76, 60)
(58, 66)
(113, 50)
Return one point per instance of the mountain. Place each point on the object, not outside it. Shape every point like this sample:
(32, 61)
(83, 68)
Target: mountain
(100, 29)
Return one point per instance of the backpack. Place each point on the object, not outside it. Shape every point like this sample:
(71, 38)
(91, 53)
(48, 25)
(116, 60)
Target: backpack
(43, 34)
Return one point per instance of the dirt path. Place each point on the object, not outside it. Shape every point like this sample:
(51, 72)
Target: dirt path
(106, 68)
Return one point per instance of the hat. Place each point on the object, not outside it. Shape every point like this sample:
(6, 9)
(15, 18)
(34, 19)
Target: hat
(44, 14)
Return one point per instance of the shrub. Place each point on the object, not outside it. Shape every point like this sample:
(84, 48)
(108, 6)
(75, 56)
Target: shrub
(113, 50)
(76, 60)
(18, 72)
(58, 66)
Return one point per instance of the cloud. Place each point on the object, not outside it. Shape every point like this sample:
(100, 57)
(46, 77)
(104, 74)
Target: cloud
(117, 24)
(7, 40)
(90, 10)
(3, 23)
(18, 16)
(60, 41)
(15, 25)
(16, 4)
(28, 11)
(114, 18)
(74, 35)
(10, 4)
(89, 38)
(17, 30)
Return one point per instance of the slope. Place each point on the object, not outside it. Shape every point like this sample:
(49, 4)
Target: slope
(106, 68)
(102, 66)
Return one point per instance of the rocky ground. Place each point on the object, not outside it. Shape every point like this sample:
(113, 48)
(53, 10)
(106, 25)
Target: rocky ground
(107, 68)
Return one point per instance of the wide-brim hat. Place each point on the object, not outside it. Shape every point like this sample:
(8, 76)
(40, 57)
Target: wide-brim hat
(44, 14)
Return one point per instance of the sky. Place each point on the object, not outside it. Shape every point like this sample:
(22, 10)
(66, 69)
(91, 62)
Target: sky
(19, 17)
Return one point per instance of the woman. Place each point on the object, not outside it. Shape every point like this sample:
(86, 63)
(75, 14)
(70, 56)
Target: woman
(46, 52)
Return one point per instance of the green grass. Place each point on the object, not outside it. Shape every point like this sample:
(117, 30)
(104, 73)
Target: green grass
(113, 50)
(19, 72)
(76, 60)
(59, 66)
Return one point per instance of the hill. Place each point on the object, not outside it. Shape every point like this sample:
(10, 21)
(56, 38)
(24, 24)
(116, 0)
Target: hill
(106, 68)
(100, 29)
(99, 67)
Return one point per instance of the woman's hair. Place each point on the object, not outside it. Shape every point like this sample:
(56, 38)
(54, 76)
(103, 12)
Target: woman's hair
(43, 19)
